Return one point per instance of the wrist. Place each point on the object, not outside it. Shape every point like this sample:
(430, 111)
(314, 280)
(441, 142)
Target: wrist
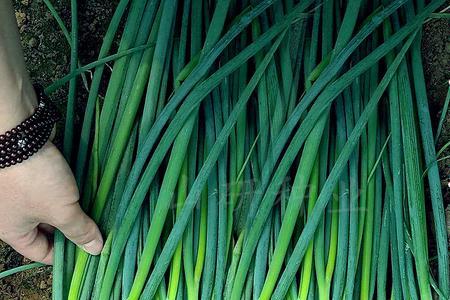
(29, 136)
(16, 105)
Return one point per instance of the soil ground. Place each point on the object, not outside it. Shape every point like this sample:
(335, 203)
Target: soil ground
(47, 57)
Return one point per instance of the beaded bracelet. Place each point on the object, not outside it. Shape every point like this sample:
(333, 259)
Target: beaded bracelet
(21, 142)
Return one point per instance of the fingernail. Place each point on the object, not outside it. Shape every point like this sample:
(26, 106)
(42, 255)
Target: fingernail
(94, 247)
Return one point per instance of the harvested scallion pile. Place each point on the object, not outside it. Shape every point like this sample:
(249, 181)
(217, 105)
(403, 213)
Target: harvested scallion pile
(257, 149)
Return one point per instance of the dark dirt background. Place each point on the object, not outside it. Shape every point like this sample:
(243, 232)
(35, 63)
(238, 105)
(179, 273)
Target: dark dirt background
(47, 57)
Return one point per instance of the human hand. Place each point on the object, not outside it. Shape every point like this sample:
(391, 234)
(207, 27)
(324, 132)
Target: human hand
(38, 195)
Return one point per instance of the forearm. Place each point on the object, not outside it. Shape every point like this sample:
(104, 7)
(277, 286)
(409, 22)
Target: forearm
(17, 98)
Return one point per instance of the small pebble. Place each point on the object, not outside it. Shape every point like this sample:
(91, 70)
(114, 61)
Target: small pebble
(21, 18)
(43, 285)
(32, 42)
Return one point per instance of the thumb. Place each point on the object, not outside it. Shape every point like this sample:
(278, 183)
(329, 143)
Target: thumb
(79, 228)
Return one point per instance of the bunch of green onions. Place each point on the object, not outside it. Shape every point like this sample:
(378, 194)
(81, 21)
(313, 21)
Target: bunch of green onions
(257, 149)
